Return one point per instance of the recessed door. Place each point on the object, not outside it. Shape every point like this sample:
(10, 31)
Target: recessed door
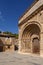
(36, 45)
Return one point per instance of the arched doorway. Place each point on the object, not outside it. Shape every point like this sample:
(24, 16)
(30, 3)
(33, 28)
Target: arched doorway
(1, 46)
(36, 45)
(26, 45)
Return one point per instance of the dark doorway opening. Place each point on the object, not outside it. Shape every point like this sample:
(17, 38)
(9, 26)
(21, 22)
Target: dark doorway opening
(1, 48)
(36, 46)
(16, 47)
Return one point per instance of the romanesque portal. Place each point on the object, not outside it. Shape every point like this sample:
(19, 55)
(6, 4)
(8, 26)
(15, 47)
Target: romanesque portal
(31, 29)
(31, 38)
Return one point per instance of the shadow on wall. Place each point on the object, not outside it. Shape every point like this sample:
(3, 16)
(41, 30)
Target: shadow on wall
(1, 46)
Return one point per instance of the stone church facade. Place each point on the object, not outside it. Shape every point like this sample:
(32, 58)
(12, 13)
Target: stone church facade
(31, 29)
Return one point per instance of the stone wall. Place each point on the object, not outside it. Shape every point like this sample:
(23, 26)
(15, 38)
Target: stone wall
(32, 16)
(8, 43)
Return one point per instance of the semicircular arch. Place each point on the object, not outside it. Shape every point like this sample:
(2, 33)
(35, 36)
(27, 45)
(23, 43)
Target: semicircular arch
(29, 23)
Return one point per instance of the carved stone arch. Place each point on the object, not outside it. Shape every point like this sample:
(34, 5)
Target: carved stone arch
(29, 23)
(31, 28)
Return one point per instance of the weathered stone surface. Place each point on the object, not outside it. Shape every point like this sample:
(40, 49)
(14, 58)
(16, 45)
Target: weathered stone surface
(30, 28)
(7, 43)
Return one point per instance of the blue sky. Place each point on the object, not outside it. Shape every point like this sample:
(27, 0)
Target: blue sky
(10, 11)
